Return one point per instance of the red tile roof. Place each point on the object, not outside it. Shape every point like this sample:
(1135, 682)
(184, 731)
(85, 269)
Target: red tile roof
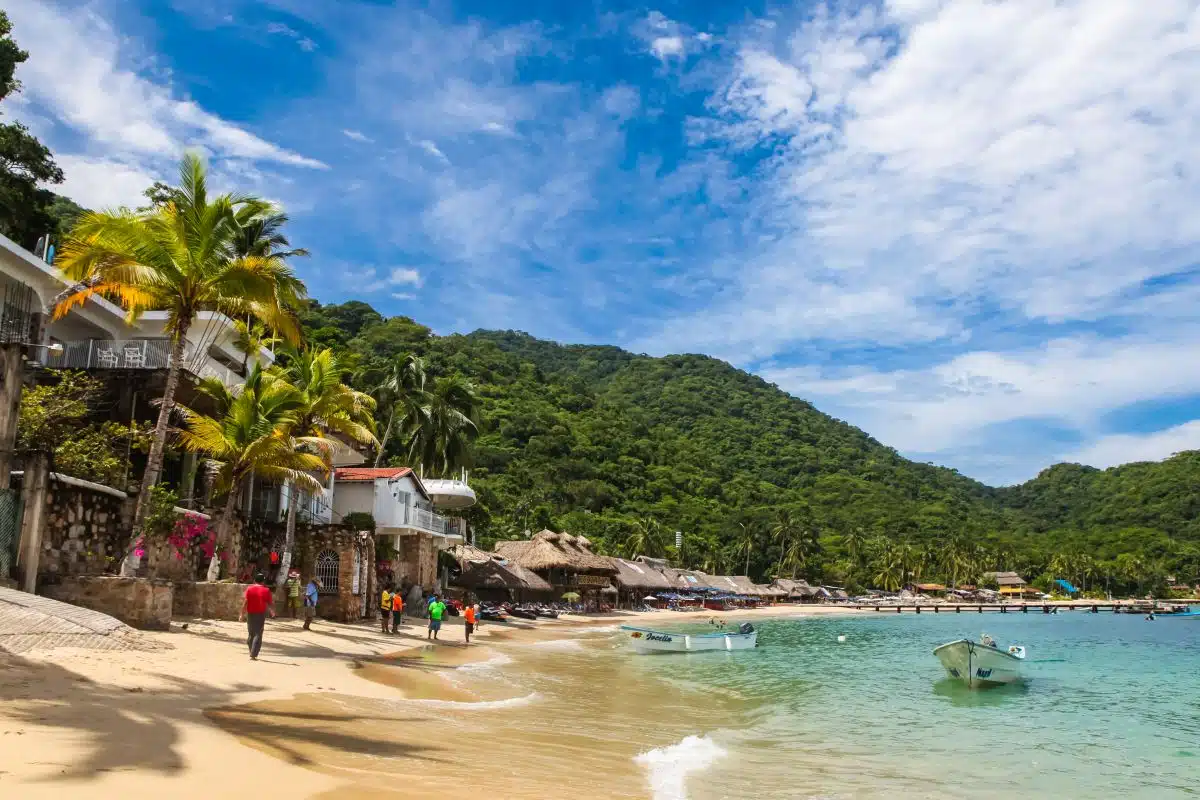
(369, 473)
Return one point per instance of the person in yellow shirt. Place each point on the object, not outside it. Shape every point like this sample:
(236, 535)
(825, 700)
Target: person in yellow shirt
(385, 608)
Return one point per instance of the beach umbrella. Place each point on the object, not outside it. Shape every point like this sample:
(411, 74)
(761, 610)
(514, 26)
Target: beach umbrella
(649, 597)
(571, 596)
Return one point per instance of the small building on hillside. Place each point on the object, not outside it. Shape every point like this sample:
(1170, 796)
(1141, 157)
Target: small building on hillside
(1012, 585)
(404, 519)
(564, 561)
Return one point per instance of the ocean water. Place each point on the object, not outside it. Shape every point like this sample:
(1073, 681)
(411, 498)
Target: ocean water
(1110, 709)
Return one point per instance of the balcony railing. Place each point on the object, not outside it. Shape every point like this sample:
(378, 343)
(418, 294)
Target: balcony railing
(138, 354)
(396, 515)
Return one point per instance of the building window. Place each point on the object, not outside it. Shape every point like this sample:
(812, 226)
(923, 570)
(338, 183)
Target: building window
(327, 571)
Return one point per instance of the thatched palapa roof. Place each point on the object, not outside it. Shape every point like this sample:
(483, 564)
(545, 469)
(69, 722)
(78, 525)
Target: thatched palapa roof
(793, 588)
(639, 576)
(500, 574)
(550, 550)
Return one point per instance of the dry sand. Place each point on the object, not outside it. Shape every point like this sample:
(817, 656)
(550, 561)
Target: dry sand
(141, 724)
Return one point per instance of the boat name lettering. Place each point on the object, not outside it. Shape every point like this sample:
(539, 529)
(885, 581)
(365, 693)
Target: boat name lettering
(657, 637)
(983, 673)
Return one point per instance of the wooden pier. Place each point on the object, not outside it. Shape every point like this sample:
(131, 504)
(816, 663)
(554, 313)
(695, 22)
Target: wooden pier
(1087, 607)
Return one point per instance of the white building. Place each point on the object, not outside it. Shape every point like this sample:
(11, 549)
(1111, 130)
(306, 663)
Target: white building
(403, 509)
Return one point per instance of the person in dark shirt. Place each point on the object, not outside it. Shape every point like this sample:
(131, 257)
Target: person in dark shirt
(257, 603)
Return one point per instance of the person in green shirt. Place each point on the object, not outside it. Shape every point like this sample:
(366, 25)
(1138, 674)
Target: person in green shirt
(436, 609)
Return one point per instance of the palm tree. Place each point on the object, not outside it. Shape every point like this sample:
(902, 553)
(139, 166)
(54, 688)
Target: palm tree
(646, 539)
(328, 406)
(260, 231)
(250, 338)
(744, 544)
(855, 541)
(786, 533)
(402, 388)
(889, 573)
(440, 434)
(179, 257)
(251, 433)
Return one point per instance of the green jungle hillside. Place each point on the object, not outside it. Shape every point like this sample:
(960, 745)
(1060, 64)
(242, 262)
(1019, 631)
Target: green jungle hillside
(628, 449)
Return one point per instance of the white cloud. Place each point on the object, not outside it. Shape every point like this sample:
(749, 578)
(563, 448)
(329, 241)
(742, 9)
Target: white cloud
(432, 149)
(303, 42)
(99, 183)
(1040, 158)
(81, 75)
(357, 136)
(1110, 451)
(959, 405)
(371, 280)
(663, 37)
(403, 296)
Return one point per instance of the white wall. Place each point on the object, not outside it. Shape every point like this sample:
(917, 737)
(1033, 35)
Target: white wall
(353, 496)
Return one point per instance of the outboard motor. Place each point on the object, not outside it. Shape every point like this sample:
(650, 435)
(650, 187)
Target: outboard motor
(745, 627)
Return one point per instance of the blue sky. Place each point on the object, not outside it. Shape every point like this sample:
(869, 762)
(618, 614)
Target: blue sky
(966, 226)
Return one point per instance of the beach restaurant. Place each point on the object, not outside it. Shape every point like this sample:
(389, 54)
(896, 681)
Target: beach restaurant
(636, 581)
(565, 562)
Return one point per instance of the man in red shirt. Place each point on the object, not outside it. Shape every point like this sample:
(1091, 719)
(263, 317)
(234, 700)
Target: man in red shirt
(257, 604)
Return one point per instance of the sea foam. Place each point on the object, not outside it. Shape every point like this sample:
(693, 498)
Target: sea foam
(667, 768)
(498, 660)
(570, 645)
(486, 705)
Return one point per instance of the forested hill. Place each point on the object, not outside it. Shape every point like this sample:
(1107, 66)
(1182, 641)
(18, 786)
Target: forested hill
(627, 449)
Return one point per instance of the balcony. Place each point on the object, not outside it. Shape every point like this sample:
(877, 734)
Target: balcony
(395, 515)
(147, 354)
(449, 493)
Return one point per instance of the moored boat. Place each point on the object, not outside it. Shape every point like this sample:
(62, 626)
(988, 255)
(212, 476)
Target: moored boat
(981, 663)
(643, 640)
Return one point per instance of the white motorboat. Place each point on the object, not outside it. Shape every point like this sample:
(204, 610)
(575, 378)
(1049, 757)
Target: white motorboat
(643, 640)
(981, 663)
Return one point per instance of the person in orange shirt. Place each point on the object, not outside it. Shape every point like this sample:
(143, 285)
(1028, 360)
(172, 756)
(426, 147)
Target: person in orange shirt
(469, 616)
(397, 610)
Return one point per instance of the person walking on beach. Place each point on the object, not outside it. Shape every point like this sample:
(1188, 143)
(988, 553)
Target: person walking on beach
(397, 611)
(385, 608)
(257, 603)
(311, 594)
(293, 593)
(469, 619)
(436, 609)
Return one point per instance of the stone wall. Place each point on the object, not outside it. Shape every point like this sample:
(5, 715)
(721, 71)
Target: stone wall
(85, 528)
(219, 600)
(352, 599)
(417, 561)
(139, 602)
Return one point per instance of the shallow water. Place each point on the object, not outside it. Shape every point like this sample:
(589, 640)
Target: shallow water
(1111, 708)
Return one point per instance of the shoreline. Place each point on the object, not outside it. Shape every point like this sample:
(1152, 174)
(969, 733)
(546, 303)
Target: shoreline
(173, 721)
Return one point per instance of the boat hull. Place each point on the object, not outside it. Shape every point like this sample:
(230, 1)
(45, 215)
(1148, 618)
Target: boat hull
(645, 641)
(978, 665)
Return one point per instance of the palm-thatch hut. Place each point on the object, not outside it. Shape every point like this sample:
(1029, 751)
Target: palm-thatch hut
(494, 578)
(795, 591)
(635, 580)
(564, 561)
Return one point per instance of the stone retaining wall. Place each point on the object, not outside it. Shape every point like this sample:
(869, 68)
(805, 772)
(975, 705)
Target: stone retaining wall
(209, 600)
(138, 602)
(85, 529)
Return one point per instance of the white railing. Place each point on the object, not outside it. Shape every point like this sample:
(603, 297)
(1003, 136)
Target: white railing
(152, 353)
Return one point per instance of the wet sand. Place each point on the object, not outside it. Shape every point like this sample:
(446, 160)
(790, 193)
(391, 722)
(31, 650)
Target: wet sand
(339, 711)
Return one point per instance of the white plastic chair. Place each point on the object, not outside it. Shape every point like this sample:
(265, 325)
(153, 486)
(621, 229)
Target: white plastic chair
(134, 356)
(106, 358)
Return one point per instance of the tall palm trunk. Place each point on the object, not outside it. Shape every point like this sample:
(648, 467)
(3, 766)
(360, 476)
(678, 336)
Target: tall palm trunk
(747, 570)
(289, 538)
(387, 432)
(223, 522)
(154, 462)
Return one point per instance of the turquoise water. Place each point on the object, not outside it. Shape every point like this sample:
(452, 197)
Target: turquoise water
(1111, 708)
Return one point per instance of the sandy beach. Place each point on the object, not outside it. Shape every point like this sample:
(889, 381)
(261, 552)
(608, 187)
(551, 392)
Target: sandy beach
(173, 721)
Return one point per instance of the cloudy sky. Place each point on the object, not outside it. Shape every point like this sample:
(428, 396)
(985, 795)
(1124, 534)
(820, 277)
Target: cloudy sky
(969, 227)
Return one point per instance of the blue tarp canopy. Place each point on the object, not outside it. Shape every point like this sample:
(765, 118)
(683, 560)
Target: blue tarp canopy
(1067, 587)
